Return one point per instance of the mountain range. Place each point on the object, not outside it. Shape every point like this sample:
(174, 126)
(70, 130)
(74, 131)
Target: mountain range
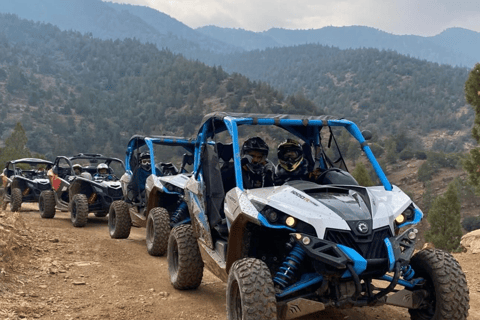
(107, 20)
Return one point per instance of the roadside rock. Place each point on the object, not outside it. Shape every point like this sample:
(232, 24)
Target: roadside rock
(471, 241)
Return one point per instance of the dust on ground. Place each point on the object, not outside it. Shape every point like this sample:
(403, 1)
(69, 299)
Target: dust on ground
(51, 270)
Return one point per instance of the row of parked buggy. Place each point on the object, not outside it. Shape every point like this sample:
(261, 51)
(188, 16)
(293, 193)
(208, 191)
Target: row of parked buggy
(285, 251)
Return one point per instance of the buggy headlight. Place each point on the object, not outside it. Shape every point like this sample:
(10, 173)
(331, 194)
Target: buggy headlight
(400, 219)
(290, 221)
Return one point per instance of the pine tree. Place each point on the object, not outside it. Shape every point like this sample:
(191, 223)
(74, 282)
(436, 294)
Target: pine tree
(360, 174)
(15, 146)
(471, 163)
(444, 218)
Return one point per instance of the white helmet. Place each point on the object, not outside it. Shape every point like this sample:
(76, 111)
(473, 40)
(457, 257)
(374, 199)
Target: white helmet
(102, 168)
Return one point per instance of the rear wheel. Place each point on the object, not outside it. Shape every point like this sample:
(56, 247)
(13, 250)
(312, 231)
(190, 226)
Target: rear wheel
(250, 291)
(119, 222)
(185, 264)
(445, 283)
(4, 203)
(79, 210)
(16, 198)
(158, 230)
(46, 204)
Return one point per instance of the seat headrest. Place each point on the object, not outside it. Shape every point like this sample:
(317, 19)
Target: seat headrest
(225, 151)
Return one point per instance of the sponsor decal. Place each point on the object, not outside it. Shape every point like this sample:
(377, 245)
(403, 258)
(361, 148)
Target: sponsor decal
(56, 182)
(301, 196)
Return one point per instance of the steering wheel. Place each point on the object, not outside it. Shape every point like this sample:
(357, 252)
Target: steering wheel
(324, 173)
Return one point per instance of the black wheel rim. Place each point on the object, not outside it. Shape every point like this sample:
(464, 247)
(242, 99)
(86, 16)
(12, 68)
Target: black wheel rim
(175, 256)
(150, 232)
(236, 301)
(112, 219)
(74, 212)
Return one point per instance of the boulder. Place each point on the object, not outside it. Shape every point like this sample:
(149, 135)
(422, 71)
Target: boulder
(471, 241)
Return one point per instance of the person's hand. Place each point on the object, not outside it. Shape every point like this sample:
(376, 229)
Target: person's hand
(314, 174)
(269, 167)
(246, 159)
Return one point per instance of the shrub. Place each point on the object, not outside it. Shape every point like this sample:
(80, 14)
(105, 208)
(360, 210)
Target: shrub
(471, 223)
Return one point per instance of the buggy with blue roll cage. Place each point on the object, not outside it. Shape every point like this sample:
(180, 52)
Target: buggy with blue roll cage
(23, 180)
(153, 198)
(297, 248)
(82, 192)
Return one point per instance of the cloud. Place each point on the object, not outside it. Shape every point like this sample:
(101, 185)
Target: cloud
(425, 17)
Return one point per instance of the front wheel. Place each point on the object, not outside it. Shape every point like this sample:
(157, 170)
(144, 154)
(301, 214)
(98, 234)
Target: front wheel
(158, 230)
(16, 202)
(79, 210)
(119, 222)
(445, 283)
(250, 291)
(46, 204)
(185, 264)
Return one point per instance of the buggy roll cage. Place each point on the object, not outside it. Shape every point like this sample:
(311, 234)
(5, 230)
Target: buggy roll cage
(30, 161)
(138, 141)
(305, 127)
(88, 156)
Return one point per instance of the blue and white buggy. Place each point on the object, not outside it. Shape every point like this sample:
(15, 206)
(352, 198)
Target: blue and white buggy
(295, 249)
(158, 200)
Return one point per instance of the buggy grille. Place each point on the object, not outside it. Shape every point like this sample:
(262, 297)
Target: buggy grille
(43, 186)
(115, 193)
(369, 247)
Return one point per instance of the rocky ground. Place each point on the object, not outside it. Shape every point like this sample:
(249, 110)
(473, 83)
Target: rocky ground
(51, 270)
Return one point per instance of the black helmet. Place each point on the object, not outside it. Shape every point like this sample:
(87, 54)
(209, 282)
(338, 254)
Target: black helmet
(290, 154)
(144, 160)
(255, 144)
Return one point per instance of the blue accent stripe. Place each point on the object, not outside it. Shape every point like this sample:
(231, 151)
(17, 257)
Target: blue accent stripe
(416, 218)
(267, 224)
(359, 263)
(391, 256)
(306, 281)
(406, 284)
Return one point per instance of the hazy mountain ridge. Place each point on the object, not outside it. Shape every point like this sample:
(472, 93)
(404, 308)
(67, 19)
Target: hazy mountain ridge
(454, 46)
(106, 20)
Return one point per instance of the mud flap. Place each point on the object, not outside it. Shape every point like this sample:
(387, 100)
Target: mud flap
(298, 308)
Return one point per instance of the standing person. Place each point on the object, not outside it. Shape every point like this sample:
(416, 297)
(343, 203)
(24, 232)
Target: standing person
(257, 170)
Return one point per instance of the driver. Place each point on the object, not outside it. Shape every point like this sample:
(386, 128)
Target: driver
(139, 177)
(103, 172)
(77, 168)
(257, 170)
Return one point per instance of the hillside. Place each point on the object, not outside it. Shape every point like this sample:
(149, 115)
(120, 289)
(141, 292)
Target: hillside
(75, 93)
(381, 90)
(454, 46)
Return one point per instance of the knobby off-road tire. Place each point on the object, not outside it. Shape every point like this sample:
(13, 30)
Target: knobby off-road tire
(79, 210)
(4, 203)
(46, 204)
(250, 291)
(119, 221)
(446, 283)
(185, 264)
(158, 230)
(16, 200)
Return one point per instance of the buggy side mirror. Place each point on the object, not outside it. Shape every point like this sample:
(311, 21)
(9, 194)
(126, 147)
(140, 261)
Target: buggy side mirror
(367, 135)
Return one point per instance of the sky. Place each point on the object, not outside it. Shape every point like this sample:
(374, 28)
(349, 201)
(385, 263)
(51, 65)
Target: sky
(418, 17)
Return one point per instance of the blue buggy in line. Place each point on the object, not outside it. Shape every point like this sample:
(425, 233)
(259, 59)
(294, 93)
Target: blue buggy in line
(153, 191)
(297, 248)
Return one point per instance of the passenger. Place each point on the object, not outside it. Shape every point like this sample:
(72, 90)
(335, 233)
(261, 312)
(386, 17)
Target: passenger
(292, 164)
(257, 170)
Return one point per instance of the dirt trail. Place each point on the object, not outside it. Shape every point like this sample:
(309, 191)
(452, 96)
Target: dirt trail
(56, 271)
